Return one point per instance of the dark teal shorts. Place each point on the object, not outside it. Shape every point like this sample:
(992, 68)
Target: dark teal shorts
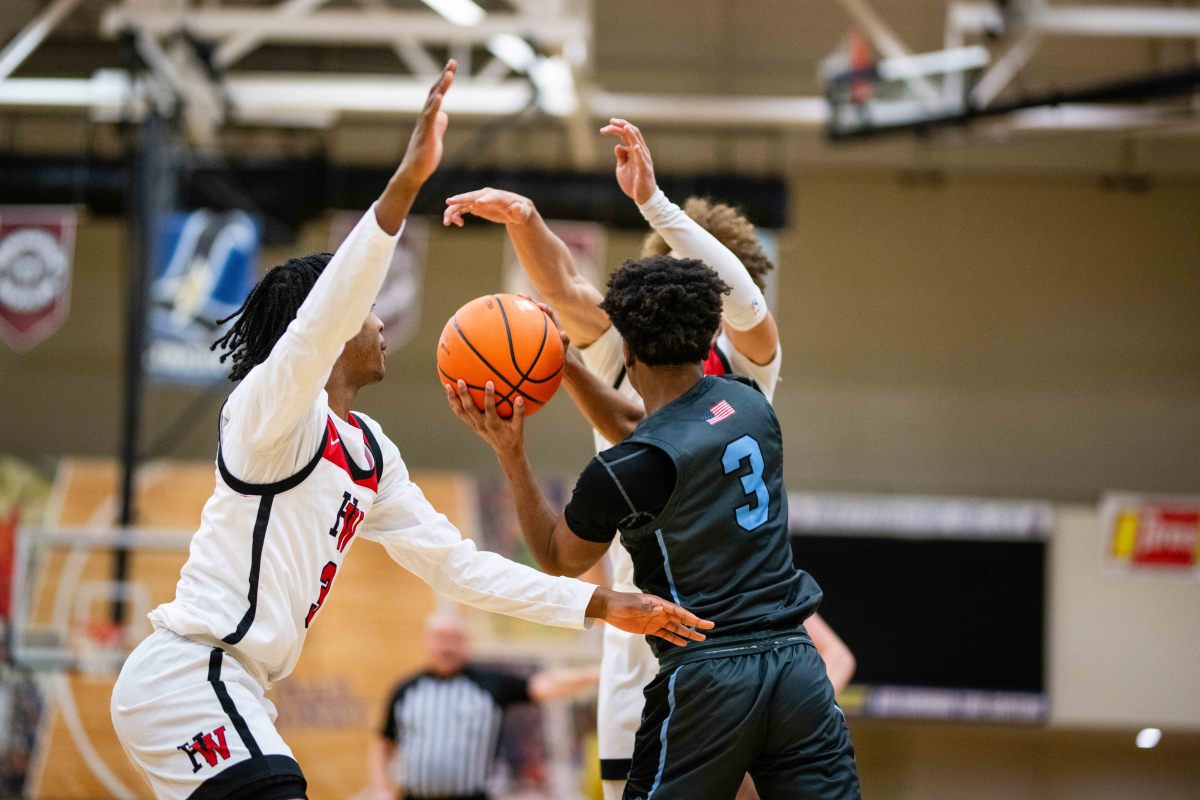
(766, 709)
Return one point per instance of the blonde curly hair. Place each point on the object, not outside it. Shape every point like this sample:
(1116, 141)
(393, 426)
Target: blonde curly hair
(731, 228)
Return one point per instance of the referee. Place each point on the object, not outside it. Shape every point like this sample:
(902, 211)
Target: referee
(445, 720)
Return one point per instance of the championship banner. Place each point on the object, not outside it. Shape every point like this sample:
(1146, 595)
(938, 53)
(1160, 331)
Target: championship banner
(37, 244)
(1152, 534)
(399, 302)
(585, 240)
(207, 262)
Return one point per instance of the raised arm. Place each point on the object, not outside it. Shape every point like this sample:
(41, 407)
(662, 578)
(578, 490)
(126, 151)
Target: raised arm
(750, 326)
(545, 257)
(261, 415)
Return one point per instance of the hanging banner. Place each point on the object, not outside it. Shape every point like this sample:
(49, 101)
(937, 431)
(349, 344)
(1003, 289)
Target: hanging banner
(207, 262)
(399, 302)
(37, 244)
(1152, 534)
(585, 240)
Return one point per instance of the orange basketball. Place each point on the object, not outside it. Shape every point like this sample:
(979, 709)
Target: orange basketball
(505, 339)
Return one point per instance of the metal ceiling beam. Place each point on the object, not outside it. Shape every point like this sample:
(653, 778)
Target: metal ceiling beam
(365, 27)
(239, 44)
(1050, 20)
(32, 35)
(304, 101)
(1005, 68)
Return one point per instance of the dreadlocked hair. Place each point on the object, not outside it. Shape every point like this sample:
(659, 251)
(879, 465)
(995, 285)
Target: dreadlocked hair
(269, 308)
(731, 228)
(666, 309)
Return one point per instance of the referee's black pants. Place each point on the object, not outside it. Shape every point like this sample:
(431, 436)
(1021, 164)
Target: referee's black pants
(768, 711)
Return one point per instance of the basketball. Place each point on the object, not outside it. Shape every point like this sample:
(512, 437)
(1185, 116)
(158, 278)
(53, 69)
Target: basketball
(505, 339)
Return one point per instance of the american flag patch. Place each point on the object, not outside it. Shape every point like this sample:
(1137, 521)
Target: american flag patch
(720, 411)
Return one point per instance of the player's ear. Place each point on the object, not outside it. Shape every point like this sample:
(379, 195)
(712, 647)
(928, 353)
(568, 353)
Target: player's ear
(627, 354)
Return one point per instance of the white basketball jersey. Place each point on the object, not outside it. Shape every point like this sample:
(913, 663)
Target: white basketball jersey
(266, 555)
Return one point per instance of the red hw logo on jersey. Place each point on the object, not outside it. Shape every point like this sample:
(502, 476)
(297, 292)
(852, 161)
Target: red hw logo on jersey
(211, 746)
(345, 525)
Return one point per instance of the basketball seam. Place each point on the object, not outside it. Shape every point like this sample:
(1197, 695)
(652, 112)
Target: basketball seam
(503, 399)
(512, 352)
(514, 388)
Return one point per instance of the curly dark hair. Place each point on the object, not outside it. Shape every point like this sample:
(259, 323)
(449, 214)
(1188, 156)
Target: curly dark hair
(269, 308)
(667, 309)
(731, 228)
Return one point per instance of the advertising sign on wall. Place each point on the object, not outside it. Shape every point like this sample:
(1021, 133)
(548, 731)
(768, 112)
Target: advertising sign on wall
(1152, 534)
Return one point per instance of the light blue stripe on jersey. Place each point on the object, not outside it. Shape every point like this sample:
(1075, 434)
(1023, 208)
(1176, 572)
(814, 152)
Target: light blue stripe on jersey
(662, 736)
(667, 566)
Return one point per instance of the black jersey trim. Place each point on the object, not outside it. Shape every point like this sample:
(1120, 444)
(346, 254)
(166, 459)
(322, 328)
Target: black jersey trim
(724, 359)
(376, 453)
(237, 779)
(615, 769)
(620, 378)
(222, 692)
(277, 487)
(260, 538)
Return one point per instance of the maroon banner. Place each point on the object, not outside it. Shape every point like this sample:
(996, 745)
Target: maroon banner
(37, 245)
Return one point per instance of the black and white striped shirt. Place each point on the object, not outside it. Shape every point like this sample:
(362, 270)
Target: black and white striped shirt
(449, 729)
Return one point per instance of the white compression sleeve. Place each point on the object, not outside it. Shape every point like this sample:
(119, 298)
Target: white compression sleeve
(744, 307)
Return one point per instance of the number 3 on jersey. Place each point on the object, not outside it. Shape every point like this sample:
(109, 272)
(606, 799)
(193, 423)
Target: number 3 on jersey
(327, 573)
(749, 517)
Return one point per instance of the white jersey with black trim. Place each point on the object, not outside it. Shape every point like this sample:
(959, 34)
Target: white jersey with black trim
(266, 555)
(296, 485)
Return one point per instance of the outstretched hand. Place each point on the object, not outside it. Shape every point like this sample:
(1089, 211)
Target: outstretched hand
(425, 146)
(635, 169)
(649, 615)
(505, 436)
(494, 205)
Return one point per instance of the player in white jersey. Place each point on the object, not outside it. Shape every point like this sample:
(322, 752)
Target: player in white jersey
(299, 478)
(748, 344)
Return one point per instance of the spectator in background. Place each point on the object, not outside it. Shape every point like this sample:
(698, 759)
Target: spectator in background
(445, 720)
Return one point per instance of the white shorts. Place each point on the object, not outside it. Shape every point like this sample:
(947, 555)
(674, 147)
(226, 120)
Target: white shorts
(626, 665)
(195, 723)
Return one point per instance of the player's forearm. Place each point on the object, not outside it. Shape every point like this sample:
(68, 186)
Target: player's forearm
(744, 307)
(548, 262)
(534, 513)
(379, 755)
(561, 684)
(606, 409)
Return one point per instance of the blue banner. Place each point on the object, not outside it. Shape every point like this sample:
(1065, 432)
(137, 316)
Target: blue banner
(207, 261)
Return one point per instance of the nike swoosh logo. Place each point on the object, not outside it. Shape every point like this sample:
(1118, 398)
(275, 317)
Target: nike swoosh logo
(334, 440)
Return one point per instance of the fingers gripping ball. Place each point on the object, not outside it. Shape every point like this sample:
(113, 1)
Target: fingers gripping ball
(505, 339)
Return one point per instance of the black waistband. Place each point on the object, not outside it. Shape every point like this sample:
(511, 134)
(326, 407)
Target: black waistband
(727, 646)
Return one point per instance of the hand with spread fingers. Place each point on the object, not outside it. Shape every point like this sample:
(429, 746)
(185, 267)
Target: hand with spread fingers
(635, 168)
(494, 205)
(649, 615)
